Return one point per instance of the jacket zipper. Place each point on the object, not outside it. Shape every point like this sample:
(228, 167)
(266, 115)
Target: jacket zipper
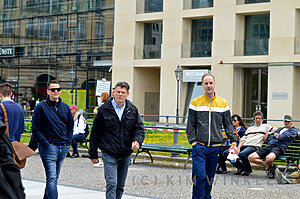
(209, 122)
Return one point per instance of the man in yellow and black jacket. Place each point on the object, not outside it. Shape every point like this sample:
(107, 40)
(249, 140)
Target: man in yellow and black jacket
(207, 114)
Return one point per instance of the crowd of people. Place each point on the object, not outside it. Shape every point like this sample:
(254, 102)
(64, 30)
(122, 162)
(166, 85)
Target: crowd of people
(118, 131)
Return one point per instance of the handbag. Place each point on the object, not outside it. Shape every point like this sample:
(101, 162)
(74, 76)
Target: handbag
(21, 151)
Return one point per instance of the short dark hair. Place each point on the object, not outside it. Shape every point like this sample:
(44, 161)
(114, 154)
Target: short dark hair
(5, 89)
(258, 113)
(123, 85)
(207, 74)
(54, 81)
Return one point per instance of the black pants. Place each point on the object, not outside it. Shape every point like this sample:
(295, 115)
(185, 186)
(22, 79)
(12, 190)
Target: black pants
(222, 159)
(33, 143)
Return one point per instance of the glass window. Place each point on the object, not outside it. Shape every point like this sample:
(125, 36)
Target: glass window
(62, 27)
(256, 1)
(202, 32)
(30, 29)
(99, 30)
(202, 3)
(153, 6)
(9, 4)
(8, 27)
(81, 29)
(257, 30)
(152, 40)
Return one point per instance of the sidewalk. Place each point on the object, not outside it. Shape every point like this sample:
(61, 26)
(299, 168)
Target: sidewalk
(35, 190)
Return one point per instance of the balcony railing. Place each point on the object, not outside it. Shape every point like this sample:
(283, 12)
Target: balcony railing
(148, 6)
(240, 2)
(196, 49)
(194, 4)
(148, 52)
(252, 47)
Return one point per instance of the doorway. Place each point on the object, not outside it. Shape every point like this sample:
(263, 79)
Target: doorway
(255, 91)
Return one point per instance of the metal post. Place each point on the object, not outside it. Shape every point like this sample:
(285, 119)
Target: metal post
(177, 109)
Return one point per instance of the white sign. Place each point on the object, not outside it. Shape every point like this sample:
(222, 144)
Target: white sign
(102, 86)
(193, 75)
(280, 96)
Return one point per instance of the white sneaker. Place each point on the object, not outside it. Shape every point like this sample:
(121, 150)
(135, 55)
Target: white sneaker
(99, 164)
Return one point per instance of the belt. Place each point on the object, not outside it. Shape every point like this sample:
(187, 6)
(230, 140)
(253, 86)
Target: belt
(213, 145)
(57, 144)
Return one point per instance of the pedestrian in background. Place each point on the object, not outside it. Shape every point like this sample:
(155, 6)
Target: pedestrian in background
(104, 97)
(15, 113)
(207, 114)
(52, 125)
(118, 131)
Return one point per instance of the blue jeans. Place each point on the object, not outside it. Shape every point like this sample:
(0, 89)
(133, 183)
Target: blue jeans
(76, 138)
(52, 157)
(205, 160)
(115, 171)
(243, 163)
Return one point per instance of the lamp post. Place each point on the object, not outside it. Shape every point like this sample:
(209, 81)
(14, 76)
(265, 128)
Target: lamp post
(176, 127)
(72, 74)
(178, 78)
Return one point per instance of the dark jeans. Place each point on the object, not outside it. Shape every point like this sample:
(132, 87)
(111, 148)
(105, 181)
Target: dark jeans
(205, 160)
(222, 159)
(243, 163)
(115, 171)
(52, 157)
(76, 138)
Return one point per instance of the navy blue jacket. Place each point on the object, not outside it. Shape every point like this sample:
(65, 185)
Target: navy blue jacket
(113, 136)
(15, 114)
(285, 139)
(47, 126)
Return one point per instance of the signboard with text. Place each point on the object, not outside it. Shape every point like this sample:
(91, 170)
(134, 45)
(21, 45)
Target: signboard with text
(102, 86)
(193, 75)
(7, 51)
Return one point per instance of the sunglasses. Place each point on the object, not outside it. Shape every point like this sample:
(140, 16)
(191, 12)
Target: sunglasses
(234, 120)
(55, 89)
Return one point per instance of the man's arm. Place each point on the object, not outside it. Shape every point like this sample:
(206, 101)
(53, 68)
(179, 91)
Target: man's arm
(36, 122)
(95, 136)
(70, 126)
(139, 133)
(192, 126)
(290, 134)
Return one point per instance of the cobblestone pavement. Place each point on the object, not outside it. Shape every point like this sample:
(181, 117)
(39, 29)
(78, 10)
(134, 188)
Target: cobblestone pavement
(163, 182)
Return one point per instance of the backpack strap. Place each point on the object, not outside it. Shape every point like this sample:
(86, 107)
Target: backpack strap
(5, 117)
(78, 119)
(55, 111)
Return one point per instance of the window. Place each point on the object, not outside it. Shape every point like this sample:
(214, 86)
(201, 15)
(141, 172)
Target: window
(152, 40)
(257, 31)
(99, 30)
(9, 4)
(45, 27)
(30, 50)
(153, 6)
(81, 30)
(8, 27)
(30, 29)
(202, 32)
(62, 27)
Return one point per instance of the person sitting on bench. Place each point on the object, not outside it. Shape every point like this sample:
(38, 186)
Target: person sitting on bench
(278, 142)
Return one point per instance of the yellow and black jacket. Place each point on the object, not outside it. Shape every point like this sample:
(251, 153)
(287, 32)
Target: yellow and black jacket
(206, 118)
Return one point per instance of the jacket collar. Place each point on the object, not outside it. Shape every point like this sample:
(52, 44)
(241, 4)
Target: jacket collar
(206, 97)
(53, 103)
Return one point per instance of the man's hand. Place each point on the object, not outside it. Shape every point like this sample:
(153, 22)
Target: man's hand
(266, 136)
(95, 161)
(276, 135)
(135, 146)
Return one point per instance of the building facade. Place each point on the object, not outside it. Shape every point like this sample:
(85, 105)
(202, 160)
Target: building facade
(68, 40)
(251, 47)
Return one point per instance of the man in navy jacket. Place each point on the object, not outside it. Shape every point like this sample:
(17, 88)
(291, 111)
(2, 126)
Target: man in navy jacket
(52, 125)
(118, 131)
(278, 142)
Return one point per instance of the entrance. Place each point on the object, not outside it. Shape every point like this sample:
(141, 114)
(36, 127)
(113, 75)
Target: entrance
(255, 91)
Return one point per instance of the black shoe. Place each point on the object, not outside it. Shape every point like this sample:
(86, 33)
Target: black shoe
(239, 172)
(75, 155)
(271, 172)
(246, 173)
(68, 154)
(220, 171)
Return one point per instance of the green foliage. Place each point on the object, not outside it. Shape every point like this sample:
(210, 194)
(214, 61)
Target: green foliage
(27, 127)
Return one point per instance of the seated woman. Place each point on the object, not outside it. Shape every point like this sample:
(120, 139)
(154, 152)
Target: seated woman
(239, 130)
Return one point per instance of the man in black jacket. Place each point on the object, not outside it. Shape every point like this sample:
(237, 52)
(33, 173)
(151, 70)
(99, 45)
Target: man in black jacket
(118, 131)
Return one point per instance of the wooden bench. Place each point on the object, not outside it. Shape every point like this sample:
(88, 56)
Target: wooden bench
(291, 156)
(164, 148)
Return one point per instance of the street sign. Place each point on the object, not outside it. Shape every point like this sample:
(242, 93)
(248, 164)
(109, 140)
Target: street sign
(193, 75)
(102, 86)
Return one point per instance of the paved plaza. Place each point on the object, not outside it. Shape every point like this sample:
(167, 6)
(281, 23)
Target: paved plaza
(79, 179)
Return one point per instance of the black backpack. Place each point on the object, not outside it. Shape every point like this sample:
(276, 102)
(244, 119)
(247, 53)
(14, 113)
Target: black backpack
(86, 130)
(10, 178)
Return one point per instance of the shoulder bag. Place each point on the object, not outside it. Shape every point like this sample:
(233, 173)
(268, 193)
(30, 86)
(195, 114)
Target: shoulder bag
(21, 151)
